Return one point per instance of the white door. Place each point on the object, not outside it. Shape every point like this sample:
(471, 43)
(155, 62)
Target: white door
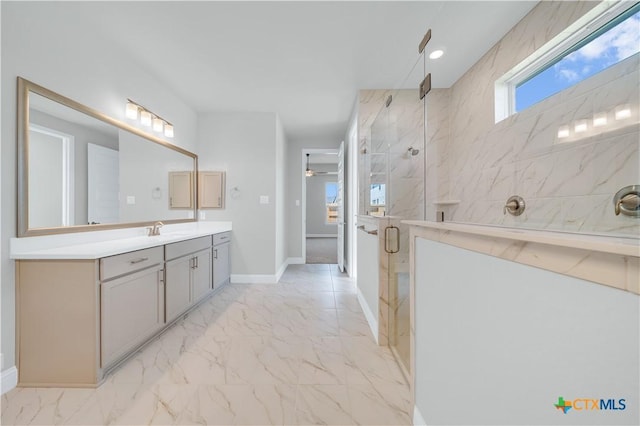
(103, 185)
(340, 203)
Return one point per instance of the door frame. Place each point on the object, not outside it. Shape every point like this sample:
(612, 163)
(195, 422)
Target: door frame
(351, 213)
(303, 201)
(68, 170)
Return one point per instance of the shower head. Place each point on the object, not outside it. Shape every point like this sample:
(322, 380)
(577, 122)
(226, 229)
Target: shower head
(412, 151)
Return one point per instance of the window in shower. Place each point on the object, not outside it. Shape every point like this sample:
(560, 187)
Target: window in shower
(602, 38)
(377, 195)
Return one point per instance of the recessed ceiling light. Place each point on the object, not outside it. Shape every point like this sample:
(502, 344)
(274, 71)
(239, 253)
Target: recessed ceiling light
(436, 54)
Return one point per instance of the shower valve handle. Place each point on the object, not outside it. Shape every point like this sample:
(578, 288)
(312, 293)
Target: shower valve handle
(515, 206)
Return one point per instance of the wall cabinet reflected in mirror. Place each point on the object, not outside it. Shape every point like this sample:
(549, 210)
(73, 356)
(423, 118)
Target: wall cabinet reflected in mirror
(211, 190)
(81, 170)
(180, 190)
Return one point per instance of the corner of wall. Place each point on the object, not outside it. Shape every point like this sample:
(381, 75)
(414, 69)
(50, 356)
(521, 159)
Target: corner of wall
(418, 420)
(9, 379)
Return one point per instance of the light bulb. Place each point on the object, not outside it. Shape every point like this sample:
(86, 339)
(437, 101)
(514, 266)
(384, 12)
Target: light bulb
(168, 130)
(158, 124)
(131, 110)
(436, 54)
(145, 118)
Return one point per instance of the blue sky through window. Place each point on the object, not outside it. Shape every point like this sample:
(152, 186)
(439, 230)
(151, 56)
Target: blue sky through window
(331, 192)
(609, 48)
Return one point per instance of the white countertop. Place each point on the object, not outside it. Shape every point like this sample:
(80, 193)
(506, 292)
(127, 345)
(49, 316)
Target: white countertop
(98, 244)
(602, 243)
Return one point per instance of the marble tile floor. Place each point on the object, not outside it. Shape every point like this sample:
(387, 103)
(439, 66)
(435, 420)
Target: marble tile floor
(296, 352)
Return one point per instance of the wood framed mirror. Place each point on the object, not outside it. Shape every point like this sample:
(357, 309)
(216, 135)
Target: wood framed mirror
(81, 170)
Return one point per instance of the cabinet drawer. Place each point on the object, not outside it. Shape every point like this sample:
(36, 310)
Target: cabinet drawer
(126, 263)
(183, 248)
(223, 237)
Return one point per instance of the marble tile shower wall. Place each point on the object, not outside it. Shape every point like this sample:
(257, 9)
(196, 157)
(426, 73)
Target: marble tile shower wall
(406, 171)
(568, 183)
(437, 180)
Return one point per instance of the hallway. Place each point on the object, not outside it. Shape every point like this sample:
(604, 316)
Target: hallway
(297, 352)
(322, 251)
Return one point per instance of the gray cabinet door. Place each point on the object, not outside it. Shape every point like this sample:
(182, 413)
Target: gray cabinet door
(178, 286)
(221, 264)
(132, 310)
(201, 275)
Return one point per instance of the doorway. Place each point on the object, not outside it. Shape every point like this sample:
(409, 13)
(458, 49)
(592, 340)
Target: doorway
(321, 198)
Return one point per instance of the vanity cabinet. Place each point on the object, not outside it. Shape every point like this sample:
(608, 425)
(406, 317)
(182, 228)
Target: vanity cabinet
(58, 322)
(78, 318)
(221, 259)
(188, 272)
(132, 309)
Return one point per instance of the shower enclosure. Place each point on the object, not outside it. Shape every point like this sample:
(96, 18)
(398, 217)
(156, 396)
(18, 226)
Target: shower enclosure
(569, 163)
(393, 175)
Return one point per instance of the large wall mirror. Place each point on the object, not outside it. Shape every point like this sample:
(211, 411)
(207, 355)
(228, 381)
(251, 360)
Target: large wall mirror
(80, 170)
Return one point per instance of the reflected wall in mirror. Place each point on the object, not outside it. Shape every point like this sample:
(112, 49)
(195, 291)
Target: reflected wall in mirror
(81, 170)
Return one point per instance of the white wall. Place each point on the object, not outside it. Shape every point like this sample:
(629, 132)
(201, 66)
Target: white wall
(498, 342)
(244, 145)
(281, 173)
(316, 201)
(294, 178)
(159, 161)
(40, 44)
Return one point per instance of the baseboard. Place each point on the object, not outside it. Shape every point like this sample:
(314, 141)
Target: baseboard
(266, 278)
(253, 279)
(371, 319)
(9, 379)
(281, 270)
(418, 420)
(322, 235)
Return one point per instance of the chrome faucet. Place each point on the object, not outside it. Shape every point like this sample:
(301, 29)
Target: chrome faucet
(155, 230)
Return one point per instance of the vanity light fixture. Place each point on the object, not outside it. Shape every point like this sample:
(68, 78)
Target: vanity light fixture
(145, 118)
(158, 124)
(436, 54)
(148, 118)
(132, 110)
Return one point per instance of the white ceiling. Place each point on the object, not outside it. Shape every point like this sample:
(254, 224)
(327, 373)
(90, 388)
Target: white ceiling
(304, 60)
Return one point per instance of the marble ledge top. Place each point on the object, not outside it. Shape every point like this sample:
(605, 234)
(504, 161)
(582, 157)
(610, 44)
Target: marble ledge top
(606, 244)
(373, 218)
(82, 247)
